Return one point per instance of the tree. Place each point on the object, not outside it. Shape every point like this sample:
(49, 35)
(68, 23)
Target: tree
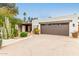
(8, 10)
(31, 18)
(14, 21)
(1, 20)
(24, 16)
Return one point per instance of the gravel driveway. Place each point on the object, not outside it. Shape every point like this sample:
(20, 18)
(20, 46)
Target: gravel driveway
(43, 45)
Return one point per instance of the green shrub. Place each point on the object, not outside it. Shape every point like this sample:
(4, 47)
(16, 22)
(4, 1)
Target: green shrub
(15, 32)
(36, 31)
(23, 34)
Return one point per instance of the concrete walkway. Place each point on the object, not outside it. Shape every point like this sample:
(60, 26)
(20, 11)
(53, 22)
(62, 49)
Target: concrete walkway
(6, 42)
(43, 45)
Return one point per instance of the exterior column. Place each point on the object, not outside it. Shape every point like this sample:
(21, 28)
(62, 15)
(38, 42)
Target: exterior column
(23, 28)
(70, 29)
(35, 24)
(39, 28)
(28, 28)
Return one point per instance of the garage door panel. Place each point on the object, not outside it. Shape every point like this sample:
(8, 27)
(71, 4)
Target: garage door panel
(55, 29)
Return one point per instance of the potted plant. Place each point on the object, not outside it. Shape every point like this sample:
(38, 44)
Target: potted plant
(75, 35)
(36, 31)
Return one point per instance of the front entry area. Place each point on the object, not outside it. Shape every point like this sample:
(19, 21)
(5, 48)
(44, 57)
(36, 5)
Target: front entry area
(27, 27)
(55, 29)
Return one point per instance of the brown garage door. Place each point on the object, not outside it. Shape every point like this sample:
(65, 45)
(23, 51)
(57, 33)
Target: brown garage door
(55, 29)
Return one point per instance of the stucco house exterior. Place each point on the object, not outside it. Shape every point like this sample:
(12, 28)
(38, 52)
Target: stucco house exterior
(63, 25)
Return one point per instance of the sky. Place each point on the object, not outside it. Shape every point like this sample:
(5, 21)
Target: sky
(44, 10)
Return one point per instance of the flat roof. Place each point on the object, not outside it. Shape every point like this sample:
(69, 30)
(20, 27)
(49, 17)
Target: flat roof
(25, 23)
(65, 21)
(66, 18)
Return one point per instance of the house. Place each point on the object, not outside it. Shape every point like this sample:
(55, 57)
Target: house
(64, 25)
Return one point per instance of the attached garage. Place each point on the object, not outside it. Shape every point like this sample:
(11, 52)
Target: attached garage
(64, 25)
(55, 28)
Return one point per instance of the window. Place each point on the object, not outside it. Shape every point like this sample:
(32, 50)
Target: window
(73, 25)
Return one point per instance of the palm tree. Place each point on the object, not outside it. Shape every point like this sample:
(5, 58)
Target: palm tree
(24, 16)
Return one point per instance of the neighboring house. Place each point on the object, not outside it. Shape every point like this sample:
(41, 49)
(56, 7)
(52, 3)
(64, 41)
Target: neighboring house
(64, 25)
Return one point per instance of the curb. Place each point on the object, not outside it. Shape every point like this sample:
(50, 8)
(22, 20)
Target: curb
(12, 41)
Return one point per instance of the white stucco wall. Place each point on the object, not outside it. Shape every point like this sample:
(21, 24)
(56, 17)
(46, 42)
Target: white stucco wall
(74, 28)
(35, 24)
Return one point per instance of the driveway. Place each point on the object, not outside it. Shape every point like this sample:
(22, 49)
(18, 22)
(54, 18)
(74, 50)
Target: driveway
(43, 45)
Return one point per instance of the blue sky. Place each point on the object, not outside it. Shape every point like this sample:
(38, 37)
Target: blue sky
(44, 10)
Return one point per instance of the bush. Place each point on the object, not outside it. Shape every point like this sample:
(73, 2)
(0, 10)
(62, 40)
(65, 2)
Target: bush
(36, 31)
(75, 35)
(15, 32)
(23, 34)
